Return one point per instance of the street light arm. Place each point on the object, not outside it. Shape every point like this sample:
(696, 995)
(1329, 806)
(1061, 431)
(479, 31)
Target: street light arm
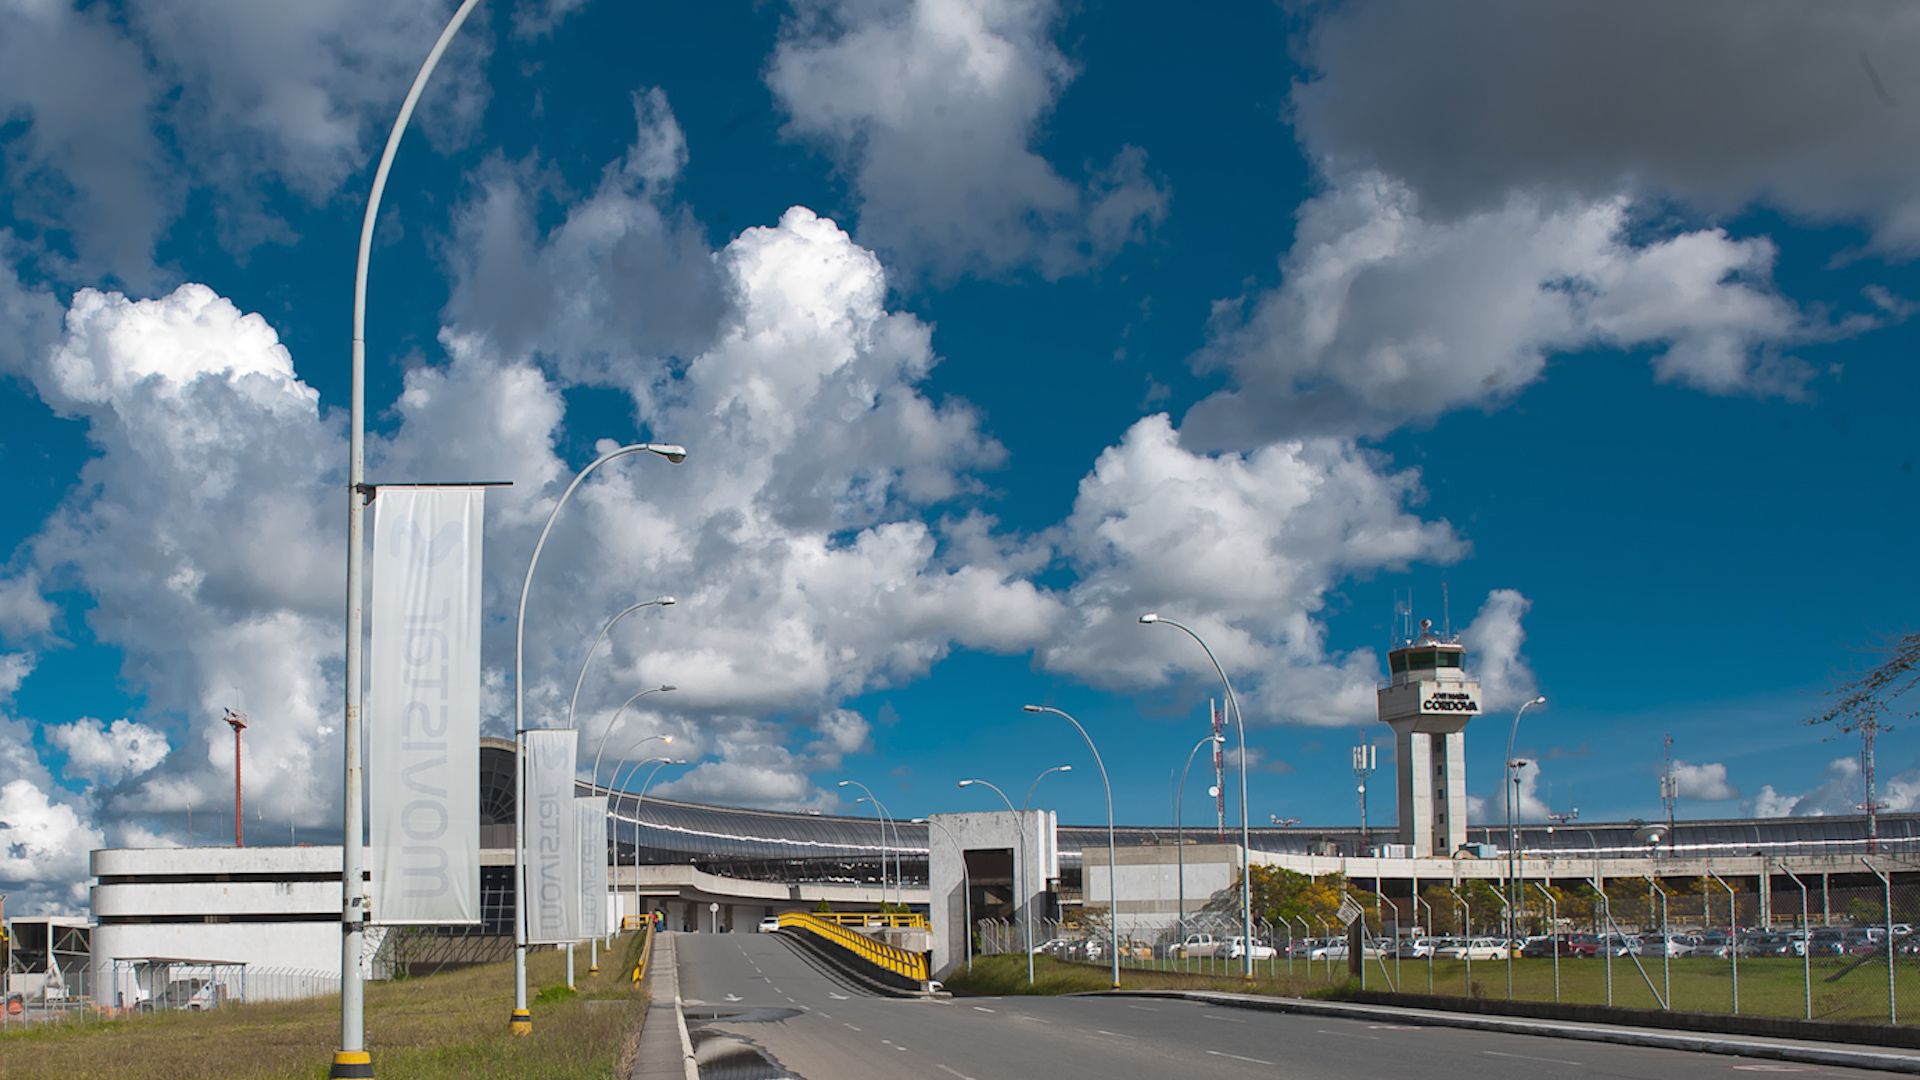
(1246, 833)
(1036, 783)
(615, 722)
(572, 702)
(1113, 892)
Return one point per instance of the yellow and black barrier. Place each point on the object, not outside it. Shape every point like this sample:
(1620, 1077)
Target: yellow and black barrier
(646, 953)
(892, 959)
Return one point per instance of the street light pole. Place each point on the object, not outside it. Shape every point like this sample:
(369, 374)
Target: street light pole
(888, 824)
(966, 883)
(352, 1059)
(1511, 792)
(1019, 871)
(522, 1020)
(879, 812)
(613, 884)
(1113, 891)
(1246, 834)
(593, 940)
(657, 763)
(1179, 832)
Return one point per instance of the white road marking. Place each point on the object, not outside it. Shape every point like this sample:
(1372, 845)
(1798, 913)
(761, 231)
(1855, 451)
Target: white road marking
(956, 1072)
(1035, 1019)
(1115, 1034)
(1142, 1008)
(735, 997)
(978, 1008)
(1524, 1057)
(837, 997)
(849, 1026)
(1217, 1016)
(1393, 1027)
(1775, 1068)
(1347, 1034)
(1237, 1057)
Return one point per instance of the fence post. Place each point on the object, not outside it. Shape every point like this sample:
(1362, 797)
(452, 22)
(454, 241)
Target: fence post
(1553, 936)
(1417, 905)
(1886, 882)
(1733, 937)
(1806, 938)
(1666, 942)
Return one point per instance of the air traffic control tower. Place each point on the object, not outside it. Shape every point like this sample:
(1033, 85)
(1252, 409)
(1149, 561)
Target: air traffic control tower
(1428, 703)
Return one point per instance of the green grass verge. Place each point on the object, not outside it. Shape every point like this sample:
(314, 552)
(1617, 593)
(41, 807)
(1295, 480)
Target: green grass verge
(1767, 987)
(451, 1026)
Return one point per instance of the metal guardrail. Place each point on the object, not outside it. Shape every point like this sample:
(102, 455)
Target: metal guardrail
(891, 958)
(899, 921)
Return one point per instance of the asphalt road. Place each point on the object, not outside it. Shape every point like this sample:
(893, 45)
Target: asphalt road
(813, 1027)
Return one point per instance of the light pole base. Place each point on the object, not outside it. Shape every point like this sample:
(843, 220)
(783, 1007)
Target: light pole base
(521, 1024)
(351, 1065)
(593, 969)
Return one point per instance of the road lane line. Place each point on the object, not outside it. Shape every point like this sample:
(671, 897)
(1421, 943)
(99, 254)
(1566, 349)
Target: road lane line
(1142, 1008)
(1229, 1019)
(1115, 1034)
(956, 1072)
(1349, 1035)
(978, 1008)
(1525, 1057)
(847, 1025)
(1237, 1057)
(1035, 1019)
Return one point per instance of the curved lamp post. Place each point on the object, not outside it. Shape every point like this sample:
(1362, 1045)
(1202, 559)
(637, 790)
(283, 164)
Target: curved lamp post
(899, 877)
(657, 763)
(593, 955)
(879, 812)
(1020, 871)
(1513, 818)
(1246, 834)
(966, 881)
(352, 1059)
(1179, 833)
(593, 940)
(1113, 893)
(522, 1022)
(1023, 813)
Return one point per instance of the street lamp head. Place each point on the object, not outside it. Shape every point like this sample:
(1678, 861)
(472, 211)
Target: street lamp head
(668, 688)
(966, 783)
(671, 451)
(668, 739)
(843, 783)
(917, 821)
(1219, 738)
(665, 601)
(1033, 708)
(1150, 618)
(1538, 701)
(1064, 768)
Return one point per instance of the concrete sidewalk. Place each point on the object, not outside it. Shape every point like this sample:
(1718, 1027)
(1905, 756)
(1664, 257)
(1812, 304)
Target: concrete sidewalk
(1885, 1059)
(665, 1051)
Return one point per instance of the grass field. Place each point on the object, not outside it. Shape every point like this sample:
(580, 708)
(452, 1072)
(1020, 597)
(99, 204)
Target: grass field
(441, 1027)
(1767, 987)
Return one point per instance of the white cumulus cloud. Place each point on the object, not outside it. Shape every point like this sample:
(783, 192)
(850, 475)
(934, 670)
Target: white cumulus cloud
(1494, 642)
(1387, 314)
(932, 107)
(1244, 549)
(1706, 782)
(108, 752)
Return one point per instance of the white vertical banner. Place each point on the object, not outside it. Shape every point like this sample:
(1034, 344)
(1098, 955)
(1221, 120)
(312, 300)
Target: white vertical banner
(553, 856)
(423, 705)
(590, 825)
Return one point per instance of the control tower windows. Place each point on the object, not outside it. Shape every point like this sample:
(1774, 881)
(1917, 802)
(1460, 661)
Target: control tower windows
(1425, 659)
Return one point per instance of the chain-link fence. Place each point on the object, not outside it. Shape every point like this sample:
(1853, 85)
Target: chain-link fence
(1834, 945)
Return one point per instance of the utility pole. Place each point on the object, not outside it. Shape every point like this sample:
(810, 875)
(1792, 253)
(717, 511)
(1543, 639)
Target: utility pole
(238, 722)
(1669, 792)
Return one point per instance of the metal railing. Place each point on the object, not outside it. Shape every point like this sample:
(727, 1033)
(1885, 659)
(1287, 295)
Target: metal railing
(911, 965)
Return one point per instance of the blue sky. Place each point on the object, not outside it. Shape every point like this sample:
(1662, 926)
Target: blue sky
(989, 325)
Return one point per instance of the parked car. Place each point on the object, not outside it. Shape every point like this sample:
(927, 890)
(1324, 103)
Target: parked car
(1583, 945)
(1418, 948)
(1763, 944)
(1474, 949)
(1195, 945)
(1542, 947)
(1237, 950)
(1824, 941)
(769, 924)
(1671, 946)
(1618, 945)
